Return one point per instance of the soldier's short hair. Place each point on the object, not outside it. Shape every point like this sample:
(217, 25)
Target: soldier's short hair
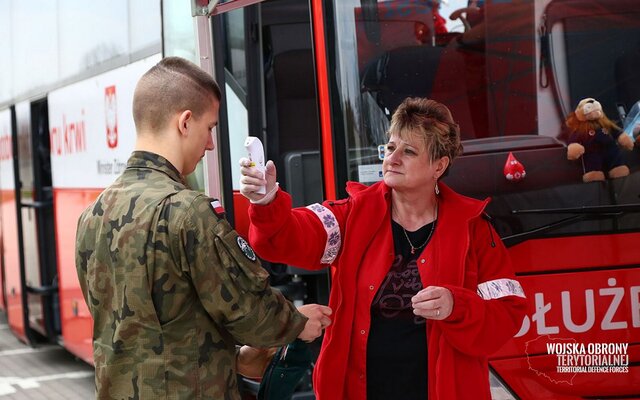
(169, 87)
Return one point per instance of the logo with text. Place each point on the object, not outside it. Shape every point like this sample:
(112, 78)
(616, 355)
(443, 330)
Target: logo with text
(590, 358)
(572, 358)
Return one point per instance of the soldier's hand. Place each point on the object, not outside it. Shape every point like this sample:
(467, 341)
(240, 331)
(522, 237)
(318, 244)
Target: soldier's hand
(252, 361)
(318, 320)
(252, 179)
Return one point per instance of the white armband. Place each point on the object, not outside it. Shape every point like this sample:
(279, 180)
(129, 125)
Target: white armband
(330, 224)
(498, 288)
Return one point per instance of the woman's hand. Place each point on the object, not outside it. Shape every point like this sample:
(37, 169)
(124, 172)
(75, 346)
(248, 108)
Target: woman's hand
(433, 302)
(252, 179)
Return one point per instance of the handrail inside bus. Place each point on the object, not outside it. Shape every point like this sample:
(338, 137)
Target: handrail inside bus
(501, 144)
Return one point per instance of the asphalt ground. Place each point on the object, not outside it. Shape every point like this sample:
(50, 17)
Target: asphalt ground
(45, 371)
(49, 372)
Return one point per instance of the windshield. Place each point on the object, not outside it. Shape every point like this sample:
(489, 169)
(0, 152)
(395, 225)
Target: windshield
(510, 72)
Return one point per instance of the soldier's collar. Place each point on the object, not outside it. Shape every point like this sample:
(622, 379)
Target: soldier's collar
(146, 159)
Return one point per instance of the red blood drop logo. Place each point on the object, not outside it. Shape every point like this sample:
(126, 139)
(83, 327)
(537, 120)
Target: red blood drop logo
(513, 169)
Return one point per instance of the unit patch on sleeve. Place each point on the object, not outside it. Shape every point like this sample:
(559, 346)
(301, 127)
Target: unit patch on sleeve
(246, 249)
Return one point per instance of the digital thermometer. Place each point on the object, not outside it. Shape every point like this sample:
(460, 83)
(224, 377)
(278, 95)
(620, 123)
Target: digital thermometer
(256, 155)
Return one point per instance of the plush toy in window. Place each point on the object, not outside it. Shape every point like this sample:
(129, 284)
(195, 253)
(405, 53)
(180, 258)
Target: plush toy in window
(596, 138)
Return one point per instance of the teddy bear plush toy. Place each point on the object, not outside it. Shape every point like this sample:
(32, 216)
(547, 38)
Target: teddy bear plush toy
(596, 138)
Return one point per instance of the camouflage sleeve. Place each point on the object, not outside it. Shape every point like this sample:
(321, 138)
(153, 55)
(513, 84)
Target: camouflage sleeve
(82, 255)
(232, 285)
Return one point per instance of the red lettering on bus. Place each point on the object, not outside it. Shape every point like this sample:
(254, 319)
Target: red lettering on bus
(6, 152)
(68, 130)
(54, 138)
(81, 144)
(610, 300)
(69, 139)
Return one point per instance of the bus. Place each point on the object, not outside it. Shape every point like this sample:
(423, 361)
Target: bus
(317, 82)
(65, 134)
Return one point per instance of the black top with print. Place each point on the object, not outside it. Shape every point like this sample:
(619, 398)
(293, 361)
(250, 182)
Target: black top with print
(397, 345)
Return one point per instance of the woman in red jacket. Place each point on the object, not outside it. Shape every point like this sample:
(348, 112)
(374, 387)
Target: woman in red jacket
(423, 289)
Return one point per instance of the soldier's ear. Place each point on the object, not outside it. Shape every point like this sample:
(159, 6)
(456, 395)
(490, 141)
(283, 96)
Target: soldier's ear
(184, 120)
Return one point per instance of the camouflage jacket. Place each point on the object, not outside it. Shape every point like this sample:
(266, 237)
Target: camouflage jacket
(172, 289)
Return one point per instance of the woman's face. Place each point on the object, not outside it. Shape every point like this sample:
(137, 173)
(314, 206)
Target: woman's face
(407, 165)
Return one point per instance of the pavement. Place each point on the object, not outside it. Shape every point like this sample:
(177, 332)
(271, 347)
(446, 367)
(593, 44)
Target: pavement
(49, 372)
(44, 372)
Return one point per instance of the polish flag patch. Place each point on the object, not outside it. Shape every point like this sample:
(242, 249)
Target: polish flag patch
(217, 207)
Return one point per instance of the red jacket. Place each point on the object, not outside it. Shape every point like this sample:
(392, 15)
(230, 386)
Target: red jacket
(464, 255)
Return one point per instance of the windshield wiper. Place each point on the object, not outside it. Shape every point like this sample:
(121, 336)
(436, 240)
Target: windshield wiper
(598, 210)
(583, 213)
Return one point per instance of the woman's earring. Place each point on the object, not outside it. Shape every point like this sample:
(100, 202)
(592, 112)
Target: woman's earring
(437, 189)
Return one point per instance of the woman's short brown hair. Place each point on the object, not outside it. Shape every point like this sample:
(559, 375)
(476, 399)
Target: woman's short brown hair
(431, 121)
(172, 86)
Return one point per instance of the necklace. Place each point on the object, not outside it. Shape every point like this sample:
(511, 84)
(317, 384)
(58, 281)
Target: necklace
(433, 227)
(414, 248)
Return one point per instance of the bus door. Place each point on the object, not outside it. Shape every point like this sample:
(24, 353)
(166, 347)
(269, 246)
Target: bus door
(3, 302)
(264, 63)
(13, 249)
(42, 285)
(35, 222)
(8, 226)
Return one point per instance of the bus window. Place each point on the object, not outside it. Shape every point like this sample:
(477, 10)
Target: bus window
(389, 50)
(291, 105)
(235, 81)
(269, 78)
(511, 72)
(605, 68)
(485, 72)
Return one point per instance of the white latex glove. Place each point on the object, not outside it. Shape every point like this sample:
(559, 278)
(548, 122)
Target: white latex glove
(252, 179)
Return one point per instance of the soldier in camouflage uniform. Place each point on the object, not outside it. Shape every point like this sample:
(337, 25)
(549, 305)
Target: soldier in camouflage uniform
(171, 286)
